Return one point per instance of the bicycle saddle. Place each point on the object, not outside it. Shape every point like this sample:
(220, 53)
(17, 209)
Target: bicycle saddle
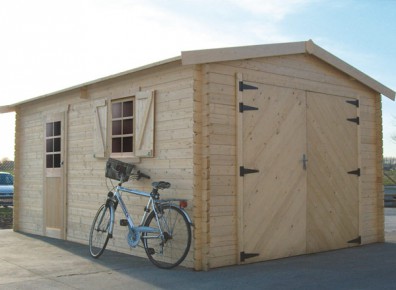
(161, 184)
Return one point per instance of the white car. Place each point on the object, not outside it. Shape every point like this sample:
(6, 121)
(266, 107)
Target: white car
(6, 189)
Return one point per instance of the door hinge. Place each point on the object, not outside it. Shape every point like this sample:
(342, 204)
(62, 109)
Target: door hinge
(354, 120)
(243, 108)
(243, 86)
(358, 240)
(355, 103)
(356, 172)
(243, 171)
(244, 256)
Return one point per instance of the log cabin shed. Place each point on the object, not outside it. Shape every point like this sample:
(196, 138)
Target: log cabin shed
(278, 149)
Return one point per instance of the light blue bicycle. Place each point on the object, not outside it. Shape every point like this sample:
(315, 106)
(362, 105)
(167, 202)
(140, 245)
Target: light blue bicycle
(165, 227)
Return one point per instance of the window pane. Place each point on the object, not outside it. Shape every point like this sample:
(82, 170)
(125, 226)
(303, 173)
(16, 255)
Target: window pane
(50, 161)
(57, 160)
(127, 127)
(116, 110)
(50, 145)
(57, 144)
(128, 109)
(127, 144)
(57, 128)
(116, 128)
(49, 130)
(116, 145)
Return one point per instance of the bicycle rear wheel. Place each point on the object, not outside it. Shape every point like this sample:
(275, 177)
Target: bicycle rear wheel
(170, 250)
(99, 236)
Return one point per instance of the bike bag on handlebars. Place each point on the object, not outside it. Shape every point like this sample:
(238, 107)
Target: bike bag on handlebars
(118, 170)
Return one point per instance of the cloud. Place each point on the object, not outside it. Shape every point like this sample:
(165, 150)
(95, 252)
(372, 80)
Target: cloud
(51, 45)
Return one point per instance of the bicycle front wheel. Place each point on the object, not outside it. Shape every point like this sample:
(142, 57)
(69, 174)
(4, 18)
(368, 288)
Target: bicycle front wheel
(170, 249)
(99, 236)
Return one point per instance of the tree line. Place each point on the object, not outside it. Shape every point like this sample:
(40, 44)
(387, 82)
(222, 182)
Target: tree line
(389, 163)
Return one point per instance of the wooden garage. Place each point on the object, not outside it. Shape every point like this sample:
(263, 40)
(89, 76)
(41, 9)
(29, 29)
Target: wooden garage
(278, 149)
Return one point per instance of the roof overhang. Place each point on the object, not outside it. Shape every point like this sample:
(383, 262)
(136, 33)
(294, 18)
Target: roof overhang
(12, 107)
(269, 50)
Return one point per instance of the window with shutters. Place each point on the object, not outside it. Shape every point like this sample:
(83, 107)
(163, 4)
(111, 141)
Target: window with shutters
(122, 127)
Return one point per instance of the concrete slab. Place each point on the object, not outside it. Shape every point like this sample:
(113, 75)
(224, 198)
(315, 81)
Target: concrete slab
(34, 262)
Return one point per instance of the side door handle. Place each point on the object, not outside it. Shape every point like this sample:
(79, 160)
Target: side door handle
(304, 161)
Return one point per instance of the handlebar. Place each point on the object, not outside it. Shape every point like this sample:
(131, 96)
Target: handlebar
(138, 175)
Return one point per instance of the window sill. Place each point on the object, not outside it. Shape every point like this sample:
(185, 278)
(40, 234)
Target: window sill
(124, 158)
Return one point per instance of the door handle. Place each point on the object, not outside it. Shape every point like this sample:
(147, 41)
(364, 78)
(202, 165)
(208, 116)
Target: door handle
(304, 161)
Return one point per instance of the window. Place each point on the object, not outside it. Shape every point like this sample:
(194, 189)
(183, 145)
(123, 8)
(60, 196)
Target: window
(53, 144)
(122, 126)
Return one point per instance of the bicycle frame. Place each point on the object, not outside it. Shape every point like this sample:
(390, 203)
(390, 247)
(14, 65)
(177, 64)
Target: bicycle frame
(120, 201)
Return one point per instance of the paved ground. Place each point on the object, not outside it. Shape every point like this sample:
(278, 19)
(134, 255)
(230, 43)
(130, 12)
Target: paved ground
(32, 262)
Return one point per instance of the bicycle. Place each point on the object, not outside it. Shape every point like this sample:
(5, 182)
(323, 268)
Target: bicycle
(165, 227)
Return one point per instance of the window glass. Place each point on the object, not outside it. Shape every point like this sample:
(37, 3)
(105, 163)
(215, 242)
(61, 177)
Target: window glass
(122, 132)
(127, 126)
(116, 110)
(116, 127)
(127, 109)
(57, 129)
(57, 144)
(49, 129)
(116, 145)
(53, 144)
(50, 145)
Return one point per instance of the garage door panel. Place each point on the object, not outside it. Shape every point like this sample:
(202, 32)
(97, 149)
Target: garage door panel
(274, 199)
(332, 204)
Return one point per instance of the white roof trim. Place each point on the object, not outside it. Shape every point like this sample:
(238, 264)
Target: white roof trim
(268, 50)
(11, 108)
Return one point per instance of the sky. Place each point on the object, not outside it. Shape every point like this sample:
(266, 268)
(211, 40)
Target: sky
(49, 45)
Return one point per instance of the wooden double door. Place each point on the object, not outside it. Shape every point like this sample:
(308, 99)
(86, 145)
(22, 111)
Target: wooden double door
(298, 163)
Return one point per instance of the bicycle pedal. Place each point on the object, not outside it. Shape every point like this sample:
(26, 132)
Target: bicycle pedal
(151, 251)
(123, 222)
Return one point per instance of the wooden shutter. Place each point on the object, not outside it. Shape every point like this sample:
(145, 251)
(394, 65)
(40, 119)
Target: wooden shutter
(144, 134)
(100, 129)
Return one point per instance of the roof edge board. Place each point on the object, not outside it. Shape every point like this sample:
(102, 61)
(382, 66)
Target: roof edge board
(313, 49)
(7, 109)
(12, 107)
(241, 52)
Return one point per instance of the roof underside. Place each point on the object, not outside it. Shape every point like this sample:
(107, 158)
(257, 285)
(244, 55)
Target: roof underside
(238, 53)
(268, 50)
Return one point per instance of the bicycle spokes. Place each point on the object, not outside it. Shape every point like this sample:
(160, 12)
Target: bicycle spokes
(174, 242)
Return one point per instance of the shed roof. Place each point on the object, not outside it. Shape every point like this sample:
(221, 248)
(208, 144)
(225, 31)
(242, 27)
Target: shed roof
(237, 53)
(268, 50)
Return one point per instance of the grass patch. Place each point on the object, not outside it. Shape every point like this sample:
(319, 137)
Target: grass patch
(5, 211)
(388, 176)
(6, 218)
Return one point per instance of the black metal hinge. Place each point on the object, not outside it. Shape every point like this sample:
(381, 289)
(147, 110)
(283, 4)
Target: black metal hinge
(358, 240)
(355, 103)
(243, 86)
(243, 108)
(356, 172)
(354, 120)
(244, 256)
(243, 171)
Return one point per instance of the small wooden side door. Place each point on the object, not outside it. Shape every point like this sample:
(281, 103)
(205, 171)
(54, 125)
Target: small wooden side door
(54, 184)
(333, 193)
(272, 134)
